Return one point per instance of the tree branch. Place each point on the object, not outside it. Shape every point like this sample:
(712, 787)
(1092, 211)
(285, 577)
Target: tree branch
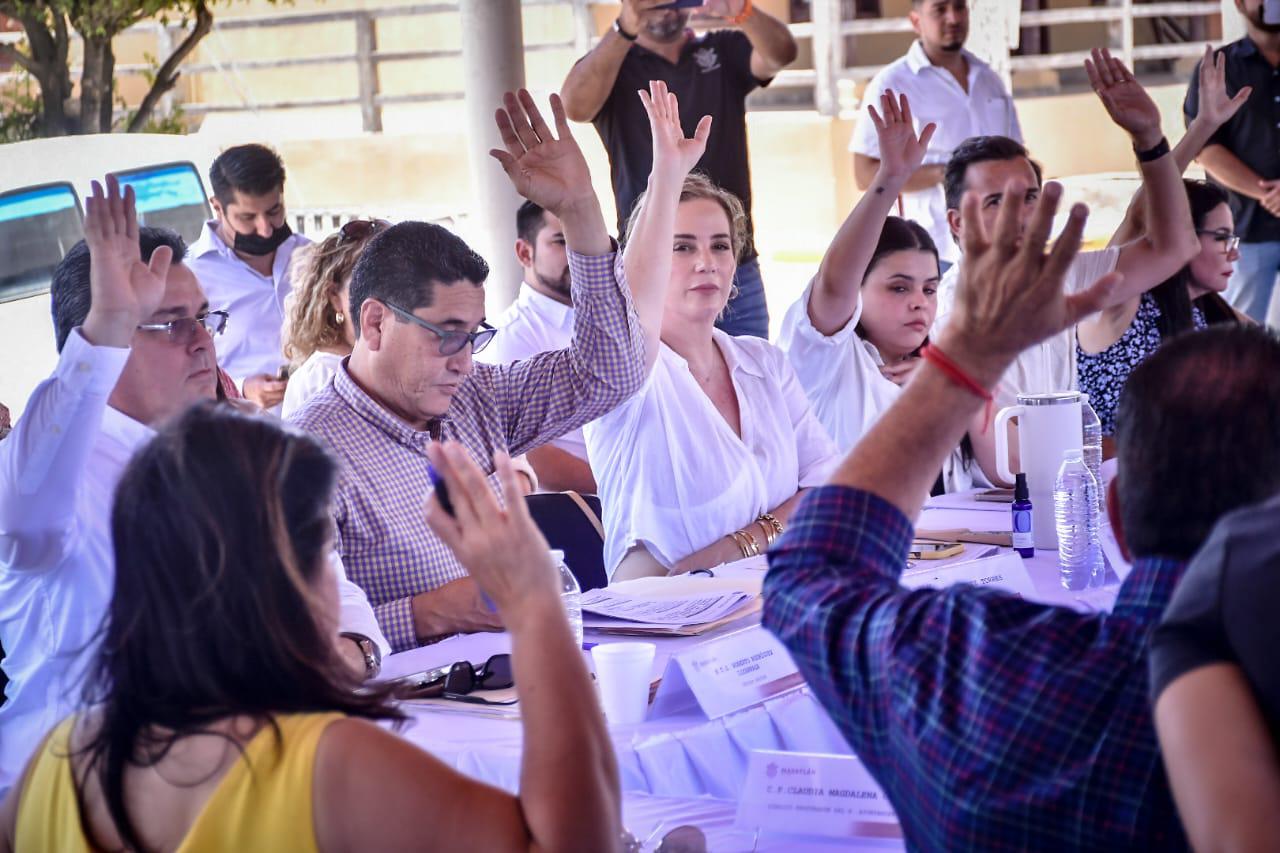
(167, 76)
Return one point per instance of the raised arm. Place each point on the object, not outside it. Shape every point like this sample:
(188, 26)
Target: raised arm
(42, 461)
(1215, 108)
(367, 779)
(648, 254)
(590, 81)
(772, 45)
(1169, 241)
(549, 170)
(838, 285)
(1019, 302)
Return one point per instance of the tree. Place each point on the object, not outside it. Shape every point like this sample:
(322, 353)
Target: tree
(48, 25)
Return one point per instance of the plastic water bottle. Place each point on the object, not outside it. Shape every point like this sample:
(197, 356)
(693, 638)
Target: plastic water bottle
(570, 594)
(1093, 448)
(1075, 508)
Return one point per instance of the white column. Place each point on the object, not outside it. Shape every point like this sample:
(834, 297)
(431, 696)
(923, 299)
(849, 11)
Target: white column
(1232, 22)
(493, 63)
(993, 32)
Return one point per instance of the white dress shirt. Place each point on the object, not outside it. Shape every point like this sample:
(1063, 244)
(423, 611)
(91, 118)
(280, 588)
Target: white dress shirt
(58, 472)
(1051, 364)
(312, 375)
(936, 96)
(250, 345)
(675, 477)
(532, 324)
(841, 375)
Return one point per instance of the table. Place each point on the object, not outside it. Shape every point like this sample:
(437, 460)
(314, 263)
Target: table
(684, 768)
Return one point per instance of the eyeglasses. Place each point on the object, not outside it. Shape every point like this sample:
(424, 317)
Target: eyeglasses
(1229, 241)
(450, 341)
(183, 330)
(460, 679)
(358, 229)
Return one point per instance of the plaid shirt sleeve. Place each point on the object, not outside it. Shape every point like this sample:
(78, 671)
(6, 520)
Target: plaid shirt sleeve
(553, 393)
(395, 617)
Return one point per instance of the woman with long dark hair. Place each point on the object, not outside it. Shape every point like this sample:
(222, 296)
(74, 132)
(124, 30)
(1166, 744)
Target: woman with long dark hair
(1111, 344)
(855, 335)
(219, 714)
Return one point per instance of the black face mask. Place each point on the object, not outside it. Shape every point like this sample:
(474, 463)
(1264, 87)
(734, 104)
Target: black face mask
(252, 244)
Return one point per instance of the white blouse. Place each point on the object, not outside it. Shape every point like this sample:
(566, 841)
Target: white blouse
(312, 375)
(841, 374)
(672, 474)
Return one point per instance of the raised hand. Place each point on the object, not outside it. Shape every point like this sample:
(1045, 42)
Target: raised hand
(1010, 294)
(547, 169)
(721, 8)
(1216, 107)
(674, 154)
(1125, 100)
(501, 547)
(123, 290)
(902, 150)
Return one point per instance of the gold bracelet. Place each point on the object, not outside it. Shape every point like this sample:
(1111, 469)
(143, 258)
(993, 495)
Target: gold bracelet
(755, 546)
(769, 534)
(739, 540)
(773, 522)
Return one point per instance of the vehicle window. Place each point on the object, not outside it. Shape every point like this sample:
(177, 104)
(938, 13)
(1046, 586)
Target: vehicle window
(170, 195)
(37, 227)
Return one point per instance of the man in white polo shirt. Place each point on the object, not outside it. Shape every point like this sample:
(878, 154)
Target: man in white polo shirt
(541, 319)
(948, 86)
(242, 259)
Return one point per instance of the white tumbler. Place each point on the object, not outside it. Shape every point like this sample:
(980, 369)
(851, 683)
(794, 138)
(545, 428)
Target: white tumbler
(623, 671)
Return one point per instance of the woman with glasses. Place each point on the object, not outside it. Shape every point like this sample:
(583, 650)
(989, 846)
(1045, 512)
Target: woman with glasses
(219, 714)
(318, 333)
(1111, 344)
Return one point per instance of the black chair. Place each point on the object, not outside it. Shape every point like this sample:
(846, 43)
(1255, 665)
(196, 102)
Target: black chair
(571, 523)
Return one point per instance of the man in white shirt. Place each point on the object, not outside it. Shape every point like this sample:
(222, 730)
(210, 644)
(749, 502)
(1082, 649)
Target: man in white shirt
(951, 88)
(997, 169)
(242, 259)
(541, 320)
(134, 331)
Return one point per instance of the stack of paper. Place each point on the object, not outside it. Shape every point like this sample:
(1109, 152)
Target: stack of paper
(683, 605)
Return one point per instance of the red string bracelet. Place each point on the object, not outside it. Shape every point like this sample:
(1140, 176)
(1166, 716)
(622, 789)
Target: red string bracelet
(957, 374)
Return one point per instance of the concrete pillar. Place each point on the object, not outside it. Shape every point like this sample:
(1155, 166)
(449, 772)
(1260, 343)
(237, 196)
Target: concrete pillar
(993, 32)
(493, 63)
(1232, 22)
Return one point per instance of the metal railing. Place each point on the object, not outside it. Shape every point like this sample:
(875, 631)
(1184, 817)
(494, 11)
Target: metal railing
(828, 32)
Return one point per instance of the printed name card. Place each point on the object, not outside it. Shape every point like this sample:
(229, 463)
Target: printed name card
(727, 674)
(804, 793)
(1003, 571)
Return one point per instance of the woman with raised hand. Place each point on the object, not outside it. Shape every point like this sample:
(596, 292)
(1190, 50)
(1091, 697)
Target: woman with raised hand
(854, 337)
(704, 464)
(219, 713)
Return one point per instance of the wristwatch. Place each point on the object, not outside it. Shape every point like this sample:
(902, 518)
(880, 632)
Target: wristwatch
(617, 28)
(372, 654)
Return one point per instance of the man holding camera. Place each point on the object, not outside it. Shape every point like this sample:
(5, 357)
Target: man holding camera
(712, 73)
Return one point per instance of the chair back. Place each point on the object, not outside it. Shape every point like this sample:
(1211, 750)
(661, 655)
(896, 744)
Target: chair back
(571, 523)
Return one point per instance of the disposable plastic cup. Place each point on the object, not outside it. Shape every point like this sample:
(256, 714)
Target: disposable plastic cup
(623, 672)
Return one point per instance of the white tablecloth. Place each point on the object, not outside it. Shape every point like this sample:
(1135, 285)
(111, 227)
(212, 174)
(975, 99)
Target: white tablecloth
(672, 765)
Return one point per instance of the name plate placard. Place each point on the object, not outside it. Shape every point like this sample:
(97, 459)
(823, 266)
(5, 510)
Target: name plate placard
(1003, 571)
(727, 674)
(805, 793)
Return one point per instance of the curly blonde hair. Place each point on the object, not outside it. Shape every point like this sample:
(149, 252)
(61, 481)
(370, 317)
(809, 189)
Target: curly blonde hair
(317, 272)
(699, 186)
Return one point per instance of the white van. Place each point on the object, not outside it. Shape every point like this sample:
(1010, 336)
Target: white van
(43, 184)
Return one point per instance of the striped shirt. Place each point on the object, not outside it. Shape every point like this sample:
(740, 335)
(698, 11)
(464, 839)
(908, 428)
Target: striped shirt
(382, 536)
(991, 722)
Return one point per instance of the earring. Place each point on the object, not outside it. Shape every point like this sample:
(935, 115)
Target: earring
(340, 318)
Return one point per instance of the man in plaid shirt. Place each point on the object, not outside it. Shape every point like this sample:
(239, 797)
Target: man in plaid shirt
(992, 722)
(417, 301)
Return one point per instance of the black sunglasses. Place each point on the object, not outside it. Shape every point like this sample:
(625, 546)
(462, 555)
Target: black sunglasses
(358, 229)
(463, 678)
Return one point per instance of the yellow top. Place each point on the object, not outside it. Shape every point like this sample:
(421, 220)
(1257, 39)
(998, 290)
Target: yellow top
(262, 803)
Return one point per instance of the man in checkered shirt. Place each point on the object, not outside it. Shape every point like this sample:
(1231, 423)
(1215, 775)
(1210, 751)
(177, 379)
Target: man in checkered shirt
(417, 302)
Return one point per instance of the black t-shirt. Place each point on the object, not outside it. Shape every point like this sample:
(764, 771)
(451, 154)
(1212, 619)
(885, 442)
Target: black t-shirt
(1226, 609)
(713, 77)
(1252, 134)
